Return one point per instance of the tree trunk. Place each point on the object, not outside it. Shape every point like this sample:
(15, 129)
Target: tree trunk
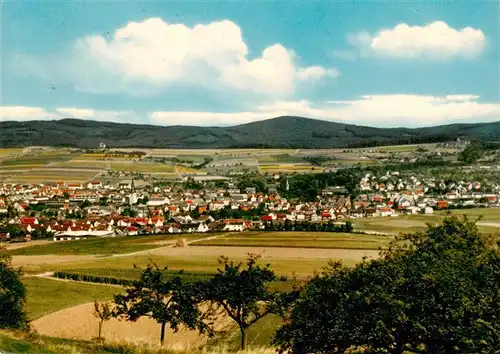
(162, 335)
(243, 338)
(100, 329)
(399, 348)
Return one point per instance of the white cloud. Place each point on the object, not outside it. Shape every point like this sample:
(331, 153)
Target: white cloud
(205, 118)
(436, 40)
(76, 112)
(378, 110)
(316, 72)
(156, 54)
(23, 113)
(101, 115)
(392, 110)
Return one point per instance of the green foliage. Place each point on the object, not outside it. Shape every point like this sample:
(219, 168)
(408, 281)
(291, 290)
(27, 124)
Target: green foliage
(254, 180)
(205, 162)
(318, 160)
(192, 184)
(13, 230)
(476, 150)
(282, 132)
(129, 212)
(94, 278)
(289, 225)
(241, 292)
(435, 292)
(12, 295)
(85, 204)
(144, 200)
(165, 299)
(39, 234)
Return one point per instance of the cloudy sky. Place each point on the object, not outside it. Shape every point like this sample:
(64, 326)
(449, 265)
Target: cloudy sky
(226, 63)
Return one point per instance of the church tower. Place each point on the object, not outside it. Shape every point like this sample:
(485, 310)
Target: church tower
(132, 198)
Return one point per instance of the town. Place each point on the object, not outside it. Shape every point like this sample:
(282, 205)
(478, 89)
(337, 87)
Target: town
(72, 211)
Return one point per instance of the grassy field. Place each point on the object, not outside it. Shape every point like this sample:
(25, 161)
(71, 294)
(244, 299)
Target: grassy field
(100, 245)
(300, 239)
(41, 159)
(22, 343)
(21, 167)
(193, 264)
(486, 214)
(45, 296)
(83, 164)
(142, 167)
(413, 223)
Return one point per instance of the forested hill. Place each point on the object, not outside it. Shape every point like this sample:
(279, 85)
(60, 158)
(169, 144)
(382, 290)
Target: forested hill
(281, 132)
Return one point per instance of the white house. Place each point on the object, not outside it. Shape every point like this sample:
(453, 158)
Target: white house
(386, 212)
(174, 230)
(158, 201)
(94, 185)
(234, 225)
(202, 227)
(413, 210)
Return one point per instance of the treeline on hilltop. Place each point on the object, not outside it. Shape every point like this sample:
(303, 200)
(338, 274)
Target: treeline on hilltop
(281, 132)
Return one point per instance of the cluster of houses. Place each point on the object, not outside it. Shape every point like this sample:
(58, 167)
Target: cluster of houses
(123, 208)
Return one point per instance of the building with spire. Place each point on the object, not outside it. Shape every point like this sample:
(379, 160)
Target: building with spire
(132, 198)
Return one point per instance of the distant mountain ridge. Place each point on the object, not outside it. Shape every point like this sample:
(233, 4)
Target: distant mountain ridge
(280, 132)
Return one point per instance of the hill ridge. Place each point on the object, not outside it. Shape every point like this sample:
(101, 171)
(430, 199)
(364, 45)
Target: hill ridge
(278, 132)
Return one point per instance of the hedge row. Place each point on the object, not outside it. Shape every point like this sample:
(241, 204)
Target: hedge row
(114, 281)
(94, 278)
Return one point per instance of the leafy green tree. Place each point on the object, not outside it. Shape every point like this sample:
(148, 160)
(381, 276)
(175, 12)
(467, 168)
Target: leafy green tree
(129, 212)
(85, 204)
(348, 227)
(14, 231)
(433, 292)
(471, 153)
(167, 300)
(12, 295)
(41, 233)
(241, 292)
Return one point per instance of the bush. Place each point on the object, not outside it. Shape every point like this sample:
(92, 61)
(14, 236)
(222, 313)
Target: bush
(12, 296)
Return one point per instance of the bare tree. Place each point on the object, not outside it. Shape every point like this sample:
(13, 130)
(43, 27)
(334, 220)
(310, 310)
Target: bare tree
(103, 311)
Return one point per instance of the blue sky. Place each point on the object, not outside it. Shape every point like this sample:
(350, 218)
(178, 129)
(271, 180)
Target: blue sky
(227, 63)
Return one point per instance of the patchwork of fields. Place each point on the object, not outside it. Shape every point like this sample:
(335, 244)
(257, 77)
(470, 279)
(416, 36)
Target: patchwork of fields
(38, 165)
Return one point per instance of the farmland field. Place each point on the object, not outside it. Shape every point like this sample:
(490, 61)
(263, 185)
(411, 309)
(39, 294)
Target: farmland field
(224, 161)
(47, 175)
(142, 167)
(83, 164)
(100, 245)
(302, 261)
(46, 295)
(411, 223)
(301, 240)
